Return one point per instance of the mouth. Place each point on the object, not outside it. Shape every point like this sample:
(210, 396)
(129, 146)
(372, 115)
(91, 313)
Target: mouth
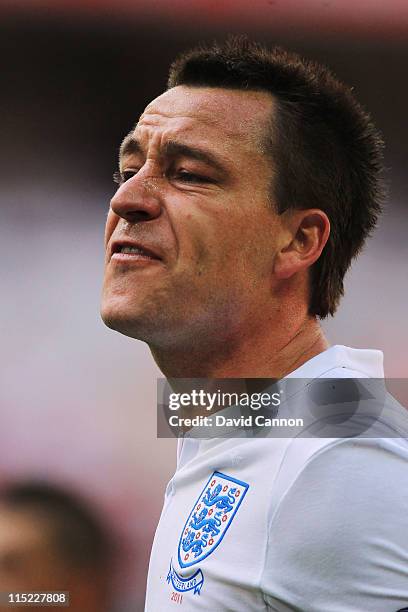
(132, 251)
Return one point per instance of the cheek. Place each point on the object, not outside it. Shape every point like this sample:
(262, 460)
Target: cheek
(111, 223)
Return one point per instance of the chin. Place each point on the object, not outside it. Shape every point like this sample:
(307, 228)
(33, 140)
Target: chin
(117, 316)
(127, 319)
(144, 319)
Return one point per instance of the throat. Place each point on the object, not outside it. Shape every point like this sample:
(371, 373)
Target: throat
(265, 356)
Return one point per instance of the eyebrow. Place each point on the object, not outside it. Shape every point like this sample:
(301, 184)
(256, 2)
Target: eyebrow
(129, 146)
(172, 148)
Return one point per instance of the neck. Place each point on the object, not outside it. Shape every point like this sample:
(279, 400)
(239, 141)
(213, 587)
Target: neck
(271, 351)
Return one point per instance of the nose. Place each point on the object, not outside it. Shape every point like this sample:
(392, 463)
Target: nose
(138, 199)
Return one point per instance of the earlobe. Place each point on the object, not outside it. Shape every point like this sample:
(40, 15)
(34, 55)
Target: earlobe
(286, 265)
(308, 232)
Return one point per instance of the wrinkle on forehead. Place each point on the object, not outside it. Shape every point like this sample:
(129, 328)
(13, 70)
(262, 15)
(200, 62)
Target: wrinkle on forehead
(237, 114)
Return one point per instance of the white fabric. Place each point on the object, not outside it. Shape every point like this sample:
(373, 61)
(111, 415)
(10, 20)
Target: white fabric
(322, 526)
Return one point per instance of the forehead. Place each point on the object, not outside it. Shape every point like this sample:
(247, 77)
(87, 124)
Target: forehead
(223, 114)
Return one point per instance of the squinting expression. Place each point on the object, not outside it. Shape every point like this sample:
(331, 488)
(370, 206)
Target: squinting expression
(190, 235)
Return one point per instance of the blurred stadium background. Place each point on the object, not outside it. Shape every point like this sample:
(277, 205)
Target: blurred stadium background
(77, 400)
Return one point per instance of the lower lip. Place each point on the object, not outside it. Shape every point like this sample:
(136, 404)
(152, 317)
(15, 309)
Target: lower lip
(133, 257)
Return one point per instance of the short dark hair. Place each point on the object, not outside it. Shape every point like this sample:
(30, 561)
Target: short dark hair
(324, 146)
(76, 534)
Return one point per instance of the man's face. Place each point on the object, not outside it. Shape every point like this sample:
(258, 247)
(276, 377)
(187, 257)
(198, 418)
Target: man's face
(195, 201)
(28, 562)
(31, 562)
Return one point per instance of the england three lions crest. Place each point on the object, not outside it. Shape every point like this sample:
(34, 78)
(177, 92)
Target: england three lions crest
(210, 518)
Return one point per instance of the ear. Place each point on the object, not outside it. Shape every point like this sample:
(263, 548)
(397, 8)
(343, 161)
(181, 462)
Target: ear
(305, 233)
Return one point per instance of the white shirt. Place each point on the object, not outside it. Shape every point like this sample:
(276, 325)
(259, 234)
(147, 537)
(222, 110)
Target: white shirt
(308, 525)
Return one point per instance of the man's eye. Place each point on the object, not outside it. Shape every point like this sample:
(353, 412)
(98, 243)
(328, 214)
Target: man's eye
(190, 177)
(185, 177)
(122, 177)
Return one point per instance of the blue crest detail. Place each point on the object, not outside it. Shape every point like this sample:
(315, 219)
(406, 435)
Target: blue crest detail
(195, 581)
(210, 518)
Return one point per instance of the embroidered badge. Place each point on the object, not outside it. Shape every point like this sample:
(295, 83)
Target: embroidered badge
(181, 584)
(210, 518)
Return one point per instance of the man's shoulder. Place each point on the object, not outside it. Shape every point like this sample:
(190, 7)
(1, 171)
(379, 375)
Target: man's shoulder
(343, 520)
(313, 470)
(350, 458)
(342, 362)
